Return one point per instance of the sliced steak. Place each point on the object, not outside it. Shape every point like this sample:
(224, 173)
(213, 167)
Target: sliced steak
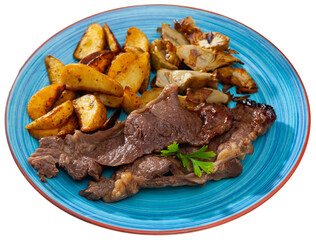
(154, 127)
(76, 153)
(151, 171)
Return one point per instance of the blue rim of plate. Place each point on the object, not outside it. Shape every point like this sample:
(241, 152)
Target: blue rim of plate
(205, 226)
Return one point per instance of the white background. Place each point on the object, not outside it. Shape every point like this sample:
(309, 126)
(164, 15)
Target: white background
(25, 214)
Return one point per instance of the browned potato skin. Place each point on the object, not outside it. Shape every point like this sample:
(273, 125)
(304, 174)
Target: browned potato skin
(53, 67)
(111, 40)
(129, 69)
(146, 81)
(40, 133)
(108, 100)
(78, 76)
(136, 38)
(90, 111)
(150, 95)
(42, 101)
(69, 127)
(93, 40)
(99, 60)
(131, 100)
(65, 96)
(53, 119)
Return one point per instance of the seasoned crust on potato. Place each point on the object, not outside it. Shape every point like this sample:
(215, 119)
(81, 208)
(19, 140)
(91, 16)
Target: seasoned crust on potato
(131, 100)
(43, 100)
(93, 40)
(90, 111)
(53, 67)
(130, 69)
(55, 118)
(78, 76)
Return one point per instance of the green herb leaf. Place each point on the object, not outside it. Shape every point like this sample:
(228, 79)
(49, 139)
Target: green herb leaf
(198, 166)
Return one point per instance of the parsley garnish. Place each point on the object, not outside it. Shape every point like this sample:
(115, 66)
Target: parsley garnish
(198, 166)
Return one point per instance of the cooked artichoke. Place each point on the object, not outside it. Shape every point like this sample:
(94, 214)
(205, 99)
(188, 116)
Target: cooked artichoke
(172, 35)
(238, 77)
(185, 79)
(201, 59)
(163, 55)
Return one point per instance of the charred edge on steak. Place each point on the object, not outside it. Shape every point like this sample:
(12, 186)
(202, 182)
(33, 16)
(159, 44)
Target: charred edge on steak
(250, 121)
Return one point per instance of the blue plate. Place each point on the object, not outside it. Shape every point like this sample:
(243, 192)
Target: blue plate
(182, 209)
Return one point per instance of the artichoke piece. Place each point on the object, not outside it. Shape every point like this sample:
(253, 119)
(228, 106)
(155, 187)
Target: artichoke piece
(215, 40)
(185, 79)
(207, 95)
(201, 59)
(173, 36)
(238, 77)
(163, 55)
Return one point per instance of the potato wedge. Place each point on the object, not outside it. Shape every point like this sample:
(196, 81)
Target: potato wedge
(136, 38)
(53, 119)
(146, 81)
(53, 66)
(69, 127)
(90, 111)
(93, 40)
(150, 95)
(111, 40)
(40, 133)
(108, 100)
(78, 76)
(65, 96)
(129, 69)
(99, 60)
(131, 100)
(42, 101)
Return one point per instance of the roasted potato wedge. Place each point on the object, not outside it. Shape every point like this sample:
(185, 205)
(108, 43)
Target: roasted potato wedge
(129, 69)
(99, 60)
(90, 111)
(53, 119)
(69, 127)
(54, 67)
(131, 100)
(146, 81)
(78, 76)
(65, 96)
(93, 40)
(136, 38)
(40, 133)
(150, 95)
(108, 100)
(111, 40)
(42, 101)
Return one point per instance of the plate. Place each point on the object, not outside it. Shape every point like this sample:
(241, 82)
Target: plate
(183, 209)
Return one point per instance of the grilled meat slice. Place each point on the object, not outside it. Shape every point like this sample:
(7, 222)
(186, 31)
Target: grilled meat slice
(76, 153)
